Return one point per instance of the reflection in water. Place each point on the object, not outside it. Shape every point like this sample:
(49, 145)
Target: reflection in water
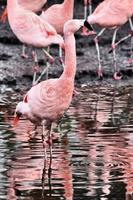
(93, 159)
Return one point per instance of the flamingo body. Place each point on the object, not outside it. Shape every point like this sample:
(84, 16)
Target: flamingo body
(111, 13)
(33, 5)
(58, 14)
(30, 28)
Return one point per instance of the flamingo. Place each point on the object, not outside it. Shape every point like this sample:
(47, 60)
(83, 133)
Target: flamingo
(57, 15)
(46, 102)
(31, 29)
(110, 14)
(33, 5)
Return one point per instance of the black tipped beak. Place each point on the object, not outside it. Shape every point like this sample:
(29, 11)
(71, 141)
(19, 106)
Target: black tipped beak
(88, 26)
(18, 114)
(110, 51)
(16, 118)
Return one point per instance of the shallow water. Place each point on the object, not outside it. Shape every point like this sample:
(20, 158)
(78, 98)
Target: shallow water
(92, 160)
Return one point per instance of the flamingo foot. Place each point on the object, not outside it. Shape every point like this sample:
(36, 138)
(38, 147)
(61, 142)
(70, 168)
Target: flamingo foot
(44, 143)
(100, 73)
(32, 134)
(51, 60)
(55, 136)
(61, 61)
(36, 68)
(24, 56)
(117, 76)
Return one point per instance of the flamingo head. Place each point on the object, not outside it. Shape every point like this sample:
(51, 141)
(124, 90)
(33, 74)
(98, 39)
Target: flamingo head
(22, 109)
(73, 25)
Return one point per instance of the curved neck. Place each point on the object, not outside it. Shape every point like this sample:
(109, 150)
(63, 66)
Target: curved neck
(68, 5)
(70, 57)
(12, 4)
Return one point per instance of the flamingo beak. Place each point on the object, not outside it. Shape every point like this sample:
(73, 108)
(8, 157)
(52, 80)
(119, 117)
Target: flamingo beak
(4, 16)
(88, 26)
(16, 118)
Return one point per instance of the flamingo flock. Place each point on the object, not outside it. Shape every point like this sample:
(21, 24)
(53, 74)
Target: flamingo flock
(47, 101)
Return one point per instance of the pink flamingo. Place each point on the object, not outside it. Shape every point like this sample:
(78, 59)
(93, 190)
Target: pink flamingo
(33, 5)
(110, 14)
(57, 15)
(46, 102)
(31, 29)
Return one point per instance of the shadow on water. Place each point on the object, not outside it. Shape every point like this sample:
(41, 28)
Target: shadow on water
(92, 160)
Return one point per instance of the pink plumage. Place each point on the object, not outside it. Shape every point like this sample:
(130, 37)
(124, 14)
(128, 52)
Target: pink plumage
(48, 100)
(58, 14)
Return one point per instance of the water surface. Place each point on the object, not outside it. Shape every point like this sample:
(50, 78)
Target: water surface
(92, 160)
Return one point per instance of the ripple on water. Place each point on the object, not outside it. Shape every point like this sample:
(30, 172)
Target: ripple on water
(92, 160)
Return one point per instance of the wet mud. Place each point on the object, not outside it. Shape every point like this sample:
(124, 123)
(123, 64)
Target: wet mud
(17, 72)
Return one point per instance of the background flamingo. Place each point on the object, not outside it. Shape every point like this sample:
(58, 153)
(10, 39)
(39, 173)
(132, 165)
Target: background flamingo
(57, 15)
(33, 5)
(110, 14)
(30, 28)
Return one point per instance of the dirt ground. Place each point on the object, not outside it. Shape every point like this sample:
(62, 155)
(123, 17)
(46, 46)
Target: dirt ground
(17, 72)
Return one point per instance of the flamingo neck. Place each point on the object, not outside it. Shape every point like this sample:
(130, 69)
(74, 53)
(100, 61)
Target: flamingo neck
(70, 57)
(69, 6)
(11, 6)
(12, 3)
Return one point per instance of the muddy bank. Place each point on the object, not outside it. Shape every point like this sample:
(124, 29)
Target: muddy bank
(16, 71)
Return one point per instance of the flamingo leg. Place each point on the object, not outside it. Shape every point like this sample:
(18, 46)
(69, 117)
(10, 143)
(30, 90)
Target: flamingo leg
(131, 26)
(42, 73)
(130, 35)
(47, 54)
(48, 64)
(23, 54)
(33, 132)
(90, 7)
(61, 56)
(50, 141)
(100, 73)
(116, 77)
(120, 41)
(44, 141)
(85, 11)
(45, 132)
(36, 66)
(84, 29)
(50, 58)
